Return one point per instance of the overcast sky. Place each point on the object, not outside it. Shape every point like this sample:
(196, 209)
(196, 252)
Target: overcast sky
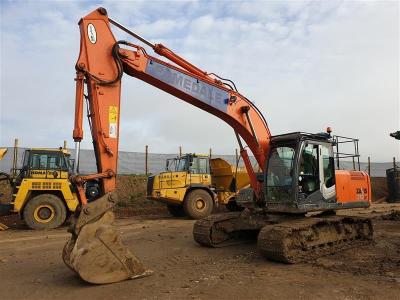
(306, 65)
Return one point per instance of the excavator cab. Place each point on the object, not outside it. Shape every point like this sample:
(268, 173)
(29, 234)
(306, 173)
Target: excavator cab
(301, 177)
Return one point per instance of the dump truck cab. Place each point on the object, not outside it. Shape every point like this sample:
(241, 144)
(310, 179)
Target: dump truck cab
(41, 191)
(192, 184)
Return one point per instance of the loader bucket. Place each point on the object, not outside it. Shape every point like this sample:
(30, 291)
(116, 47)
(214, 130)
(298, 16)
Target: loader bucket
(95, 250)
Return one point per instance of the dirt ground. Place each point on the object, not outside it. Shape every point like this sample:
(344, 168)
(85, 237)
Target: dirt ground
(31, 266)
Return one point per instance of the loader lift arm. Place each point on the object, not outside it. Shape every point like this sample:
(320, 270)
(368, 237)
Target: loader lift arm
(101, 64)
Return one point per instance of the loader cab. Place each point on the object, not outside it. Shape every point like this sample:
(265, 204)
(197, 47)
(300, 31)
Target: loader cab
(46, 164)
(300, 173)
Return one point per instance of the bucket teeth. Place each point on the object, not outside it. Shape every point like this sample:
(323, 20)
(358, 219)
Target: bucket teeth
(96, 253)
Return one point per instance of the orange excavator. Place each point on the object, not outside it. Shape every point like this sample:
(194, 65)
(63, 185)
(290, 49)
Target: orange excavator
(290, 206)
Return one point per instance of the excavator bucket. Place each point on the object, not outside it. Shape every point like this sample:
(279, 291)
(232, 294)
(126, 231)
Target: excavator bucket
(95, 250)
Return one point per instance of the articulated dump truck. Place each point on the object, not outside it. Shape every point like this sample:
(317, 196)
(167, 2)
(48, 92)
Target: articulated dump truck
(193, 184)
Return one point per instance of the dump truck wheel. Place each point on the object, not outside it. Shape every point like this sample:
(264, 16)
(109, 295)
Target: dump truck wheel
(176, 210)
(45, 211)
(198, 204)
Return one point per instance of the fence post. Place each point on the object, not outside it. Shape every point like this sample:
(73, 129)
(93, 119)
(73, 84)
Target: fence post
(369, 166)
(180, 151)
(146, 157)
(15, 158)
(210, 152)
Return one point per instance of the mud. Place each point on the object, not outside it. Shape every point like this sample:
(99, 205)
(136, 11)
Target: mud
(379, 259)
(307, 239)
(393, 215)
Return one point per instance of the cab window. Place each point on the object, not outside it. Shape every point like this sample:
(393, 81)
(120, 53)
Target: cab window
(39, 161)
(280, 172)
(309, 169)
(182, 165)
(203, 165)
(328, 163)
(45, 161)
(309, 161)
(194, 166)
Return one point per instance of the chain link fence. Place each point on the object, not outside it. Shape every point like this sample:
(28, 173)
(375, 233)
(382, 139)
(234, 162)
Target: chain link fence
(135, 162)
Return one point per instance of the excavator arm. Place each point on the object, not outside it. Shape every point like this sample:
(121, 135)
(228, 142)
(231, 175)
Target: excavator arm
(101, 64)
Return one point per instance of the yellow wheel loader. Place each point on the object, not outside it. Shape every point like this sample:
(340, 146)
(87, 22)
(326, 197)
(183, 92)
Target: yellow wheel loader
(193, 184)
(41, 192)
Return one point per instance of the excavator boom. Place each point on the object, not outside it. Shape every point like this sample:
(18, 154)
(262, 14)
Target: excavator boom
(100, 67)
(102, 63)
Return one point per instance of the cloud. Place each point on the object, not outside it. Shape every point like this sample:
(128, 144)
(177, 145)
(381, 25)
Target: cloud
(306, 65)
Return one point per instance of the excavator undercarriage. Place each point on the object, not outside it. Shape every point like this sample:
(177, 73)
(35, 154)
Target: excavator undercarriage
(282, 237)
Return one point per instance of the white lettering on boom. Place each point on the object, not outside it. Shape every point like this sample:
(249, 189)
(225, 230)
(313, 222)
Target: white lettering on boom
(198, 89)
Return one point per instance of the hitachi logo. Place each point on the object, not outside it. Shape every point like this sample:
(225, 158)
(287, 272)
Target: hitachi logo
(202, 91)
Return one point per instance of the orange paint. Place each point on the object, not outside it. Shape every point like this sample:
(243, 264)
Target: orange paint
(352, 186)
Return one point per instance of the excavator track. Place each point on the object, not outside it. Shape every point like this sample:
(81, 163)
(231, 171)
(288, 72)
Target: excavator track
(228, 229)
(207, 231)
(309, 238)
(284, 238)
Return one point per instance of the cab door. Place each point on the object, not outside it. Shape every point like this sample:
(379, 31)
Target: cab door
(199, 171)
(317, 173)
(310, 169)
(204, 170)
(194, 173)
(327, 172)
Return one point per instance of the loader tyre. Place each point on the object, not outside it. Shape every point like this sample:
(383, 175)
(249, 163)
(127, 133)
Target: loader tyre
(176, 210)
(45, 211)
(198, 204)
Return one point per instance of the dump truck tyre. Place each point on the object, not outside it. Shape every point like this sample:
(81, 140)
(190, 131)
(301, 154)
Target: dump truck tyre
(198, 204)
(45, 211)
(176, 210)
